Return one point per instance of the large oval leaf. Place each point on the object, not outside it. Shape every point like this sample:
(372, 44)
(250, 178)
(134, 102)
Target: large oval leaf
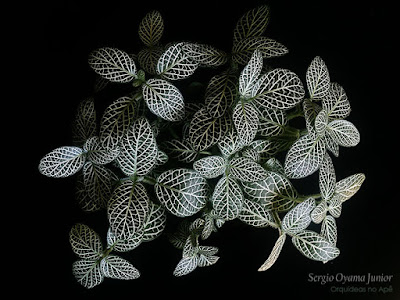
(164, 99)
(113, 64)
(62, 162)
(127, 209)
(227, 198)
(183, 192)
(278, 89)
(151, 28)
(85, 242)
(344, 133)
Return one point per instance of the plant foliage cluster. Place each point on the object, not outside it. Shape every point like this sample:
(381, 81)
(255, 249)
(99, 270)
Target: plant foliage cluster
(231, 155)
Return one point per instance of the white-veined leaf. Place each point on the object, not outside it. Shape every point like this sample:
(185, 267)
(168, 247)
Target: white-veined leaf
(84, 125)
(85, 242)
(250, 74)
(314, 246)
(97, 153)
(347, 187)
(252, 23)
(255, 214)
(148, 59)
(247, 170)
(127, 209)
(164, 99)
(243, 50)
(331, 145)
(180, 150)
(320, 123)
(220, 94)
(230, 143)
(336, 102)
(124, 245)
(327, 178)
(343, 133)
(271, 122)
(250, 153)
(319, 212)
(245, 119)
(116, 267)
(276, 250)
(116, 120)
(278, 89)
(335, 206)
(298, 218)
(85, 202)
(317, 78)
(151, 28)
(186, 265)
(87, 273)
(305, 156)
(329, 230)
(155, 222)
(62, 162)
(210, 166)
(227, 198)
(174, 64)
(207, 260)
(311, 110)
(205, 131)
(205, 55)
(138, 149)
(98, 184)
(183, 192)
(113, 64)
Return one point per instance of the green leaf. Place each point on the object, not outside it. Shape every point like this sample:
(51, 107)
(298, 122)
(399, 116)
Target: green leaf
(113, 64)
(329, 230)
(336, 103)
(276, 250)
(255, 214)
(183, 192)
(138, 149)
(344, 133)
(271, 122)
(116, 267)
(321, 122)
(227, 198)
(97, 153)
(210, 166)
(180, 150)
(87, 273)
(278, 89)
(314, 246)
(155, 222)
(151, 28)
(85, 242)
(252, 23)
(318, 80)
(298, 218)
(125, 245)
(62, 162)
(327, 178)
(246, 170)
(205, 55)
(148, 59)
(84, 125)
(250, 74)
(304, 157)
(319, 212)
(245, 119)
(128, 209)
(164, 99)
(230, 143)
(186, 265)
(347, 187)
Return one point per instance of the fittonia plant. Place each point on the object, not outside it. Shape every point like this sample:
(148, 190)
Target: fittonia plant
(207, 162)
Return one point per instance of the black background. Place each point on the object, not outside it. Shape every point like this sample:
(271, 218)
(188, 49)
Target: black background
(356, 41)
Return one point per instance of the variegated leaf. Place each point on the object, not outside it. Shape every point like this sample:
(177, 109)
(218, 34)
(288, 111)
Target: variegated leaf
(278, 89)
(335, 206)
(243, 50)
(245, 119)
(327, 178)
(227, 198)
(98, 184)
(85, 242)
(329, 230)
(180, 150)
(124, 245)
(321, 122)
(336, 103)
(186, 265)
(205, 55)
(116, 267)
(183, 192)
(247, 170)
(138, 149)
(304, 157)
(314, 246)
(250, 74)
(220, 94)
(230, 143)
(205, 131)
(174, 64)
(113, 64)
(319, 212)
(97, 153)
(116, 120)
(252, 23)
(155, 222)
(344, 133)
(311, 110)
(276, 250)
(210, 166)
(62, 162)
(255, 214)
(148, 59)
(88, 273)
(84, 125)
(164, 99)
(318, 80)
(151, 28)
(298, 218)
(271, 122)
(347, 187)
(127, 209)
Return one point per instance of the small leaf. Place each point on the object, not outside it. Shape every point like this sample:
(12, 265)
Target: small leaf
(245, 119)
(304, 157)
(321, 121)
(155, 222)
(347, 187)
(164, 99)
(210, 166)
(250, 74)
(329, 230)
(87, 273)
(230, 143)
(186, 265)
(319, 212)
(183, 192)
(113, 64)
(298, 218)
(335, 206)
(99, 154)
(336, 103)
(278, 89)
(314, 246)
(84, 125)
(148, 59)
(252, 23)
(62, 162)
(205, 55)
(318, 80)
(343, 133)
(271, 122)
(124, 245)
(327, 178)
(180, 150)
(116, 267)
(255, 214)
(151, 28)
(85, 242)
(247, 170)
(276, 250)
(98, 184)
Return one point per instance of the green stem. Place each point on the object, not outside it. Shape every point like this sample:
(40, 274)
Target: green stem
(149, 180)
